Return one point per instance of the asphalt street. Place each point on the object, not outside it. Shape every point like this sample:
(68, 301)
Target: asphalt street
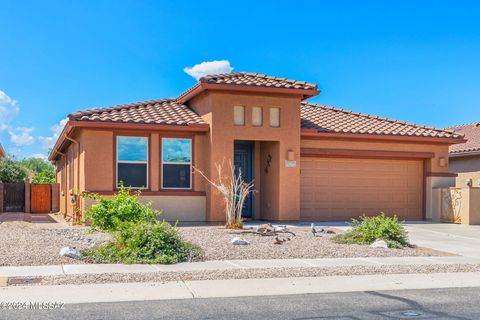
(461, 303)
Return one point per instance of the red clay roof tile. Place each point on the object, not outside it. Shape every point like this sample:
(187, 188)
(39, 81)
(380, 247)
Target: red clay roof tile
(472, 134)
(159, 112)
(334, 120)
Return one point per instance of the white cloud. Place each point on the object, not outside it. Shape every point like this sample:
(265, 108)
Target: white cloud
(48, 142)
(209, 67)
(39, 156)
(22, 136)
(8, 110)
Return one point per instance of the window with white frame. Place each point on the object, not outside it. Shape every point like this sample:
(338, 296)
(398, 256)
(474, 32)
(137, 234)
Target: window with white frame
(132, 161)
(176, 163)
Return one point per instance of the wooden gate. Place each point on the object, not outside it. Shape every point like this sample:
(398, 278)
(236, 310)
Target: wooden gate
(41, 198)
(13, 197)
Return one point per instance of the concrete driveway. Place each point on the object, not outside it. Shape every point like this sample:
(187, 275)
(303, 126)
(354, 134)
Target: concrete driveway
(458, 239)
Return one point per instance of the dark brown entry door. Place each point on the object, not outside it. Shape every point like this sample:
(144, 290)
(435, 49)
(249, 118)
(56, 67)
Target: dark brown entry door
(41, 198)
(14, 197)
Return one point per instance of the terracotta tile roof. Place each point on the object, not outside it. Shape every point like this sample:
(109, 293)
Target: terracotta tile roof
(249, 79)
(472, 134)
(257, 80)
(162, 112)
(335, 120)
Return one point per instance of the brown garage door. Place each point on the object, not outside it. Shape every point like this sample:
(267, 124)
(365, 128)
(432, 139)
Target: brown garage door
(340, 189)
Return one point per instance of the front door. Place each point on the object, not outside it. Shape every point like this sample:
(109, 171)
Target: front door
(243, 162)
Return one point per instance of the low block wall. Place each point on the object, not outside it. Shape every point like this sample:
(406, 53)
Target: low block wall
(457, 205)
(174, 208)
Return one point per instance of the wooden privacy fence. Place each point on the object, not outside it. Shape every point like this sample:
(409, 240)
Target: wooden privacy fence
(26, 197)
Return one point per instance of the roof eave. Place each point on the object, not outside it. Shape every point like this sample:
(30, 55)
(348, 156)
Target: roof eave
(464, 154)
(307, 133)
(201, 86)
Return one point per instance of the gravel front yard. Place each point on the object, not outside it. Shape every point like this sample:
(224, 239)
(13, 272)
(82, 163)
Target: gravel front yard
(215, 241)
(23, 243)
(31, 244)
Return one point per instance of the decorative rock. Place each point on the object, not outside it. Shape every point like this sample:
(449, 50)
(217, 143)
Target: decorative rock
(71, 253)
(379, 244)
(239, 241)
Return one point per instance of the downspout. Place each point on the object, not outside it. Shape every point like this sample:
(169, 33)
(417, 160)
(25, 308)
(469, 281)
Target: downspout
(77, 199)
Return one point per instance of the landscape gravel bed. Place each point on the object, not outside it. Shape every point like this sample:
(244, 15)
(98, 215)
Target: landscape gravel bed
(31, 244)
(24, 243)
(215, 241)
(255, 273)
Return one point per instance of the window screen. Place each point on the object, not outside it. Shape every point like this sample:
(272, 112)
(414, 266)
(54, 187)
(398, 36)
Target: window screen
(176, 163)
(132, 161)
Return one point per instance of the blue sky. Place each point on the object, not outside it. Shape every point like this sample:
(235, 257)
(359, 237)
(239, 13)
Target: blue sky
(417, 61)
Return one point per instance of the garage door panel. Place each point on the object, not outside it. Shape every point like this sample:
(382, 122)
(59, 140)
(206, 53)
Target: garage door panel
(339, 189)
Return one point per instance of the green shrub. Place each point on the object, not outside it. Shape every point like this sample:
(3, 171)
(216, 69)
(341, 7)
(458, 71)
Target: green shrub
(145, 242)
(45, 176)
(368, 229)
(108, 213)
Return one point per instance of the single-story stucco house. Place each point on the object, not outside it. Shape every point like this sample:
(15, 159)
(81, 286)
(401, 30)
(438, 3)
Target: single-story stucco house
(308, 161)
(465, 158)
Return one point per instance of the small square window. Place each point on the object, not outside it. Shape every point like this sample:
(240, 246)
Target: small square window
(274, 117)
(256, 116)
(239, 115)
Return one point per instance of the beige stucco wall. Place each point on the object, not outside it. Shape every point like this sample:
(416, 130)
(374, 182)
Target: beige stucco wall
(465, 164)
(432, 196)
(456, 201)
(174, 208)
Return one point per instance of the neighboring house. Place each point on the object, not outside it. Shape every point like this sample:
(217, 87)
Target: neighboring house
(308, 161)
(2, 152)
(465, 158)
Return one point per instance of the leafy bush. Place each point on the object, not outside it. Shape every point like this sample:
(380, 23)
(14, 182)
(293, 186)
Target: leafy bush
(108, 213)
(11, 171)
(45, 176)
(368, 229)
(145, 242)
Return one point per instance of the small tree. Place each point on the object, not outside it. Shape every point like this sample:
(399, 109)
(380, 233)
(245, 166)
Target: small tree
(11, 171)
(235, 191)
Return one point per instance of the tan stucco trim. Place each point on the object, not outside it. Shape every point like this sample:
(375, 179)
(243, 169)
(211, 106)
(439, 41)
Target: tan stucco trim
(365, 154)
(2, 152)
(314, 134)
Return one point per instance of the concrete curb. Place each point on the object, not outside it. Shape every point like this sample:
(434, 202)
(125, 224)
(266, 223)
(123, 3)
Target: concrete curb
(89, 293)
(76, 269)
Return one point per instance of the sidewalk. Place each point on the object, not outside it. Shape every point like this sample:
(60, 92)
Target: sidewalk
(73, 269)
(89, 293)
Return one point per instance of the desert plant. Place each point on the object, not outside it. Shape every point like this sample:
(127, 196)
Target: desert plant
(108, 213)
(145, 242)
(235, 191)
(366, 230)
